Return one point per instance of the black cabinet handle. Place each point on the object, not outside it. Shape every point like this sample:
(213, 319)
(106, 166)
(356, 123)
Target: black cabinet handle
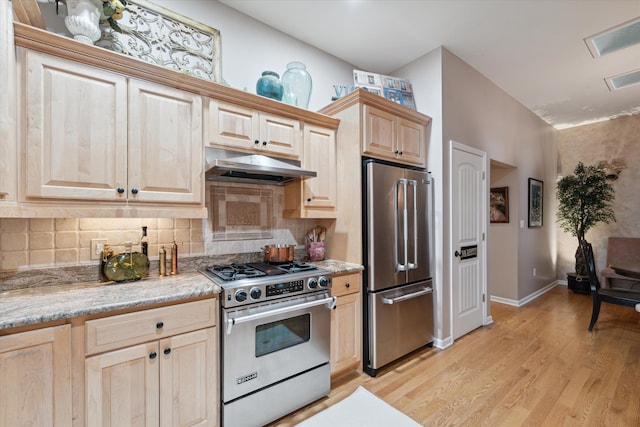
(309, 199)
(264, 142)
(400, 152)
(120, 190)
(160, 325)
(153, 355)
(167, 350)
(256, 142)
(134, 191)
(347, 285)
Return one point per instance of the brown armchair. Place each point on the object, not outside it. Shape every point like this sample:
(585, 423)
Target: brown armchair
(623, 263)
(625, 297)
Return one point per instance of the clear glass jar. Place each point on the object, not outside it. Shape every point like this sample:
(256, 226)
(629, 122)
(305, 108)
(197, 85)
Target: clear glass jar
(126, 266)
(297, 84)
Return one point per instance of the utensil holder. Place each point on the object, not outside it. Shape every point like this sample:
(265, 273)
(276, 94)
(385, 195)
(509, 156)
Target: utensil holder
(315, 251)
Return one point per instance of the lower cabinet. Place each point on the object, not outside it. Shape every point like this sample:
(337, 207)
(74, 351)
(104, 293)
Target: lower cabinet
(35, 378)
(168, 381)
(346, 324)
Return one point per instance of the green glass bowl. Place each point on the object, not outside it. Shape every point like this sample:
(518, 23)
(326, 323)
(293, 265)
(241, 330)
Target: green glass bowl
(126, 266)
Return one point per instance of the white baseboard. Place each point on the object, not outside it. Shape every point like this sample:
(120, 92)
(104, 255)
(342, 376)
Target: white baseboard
(528, 298)
(443, 343)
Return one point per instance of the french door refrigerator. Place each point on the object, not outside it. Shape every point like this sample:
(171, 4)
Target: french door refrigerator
(398, 308)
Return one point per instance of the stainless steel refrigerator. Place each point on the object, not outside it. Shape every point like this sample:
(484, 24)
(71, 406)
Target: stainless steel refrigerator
(398, 308)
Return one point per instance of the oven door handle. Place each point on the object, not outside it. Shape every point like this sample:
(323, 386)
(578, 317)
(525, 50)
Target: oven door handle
(424, 291)
(330, 301)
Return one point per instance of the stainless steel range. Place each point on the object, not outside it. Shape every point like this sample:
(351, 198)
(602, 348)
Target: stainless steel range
(274, 338)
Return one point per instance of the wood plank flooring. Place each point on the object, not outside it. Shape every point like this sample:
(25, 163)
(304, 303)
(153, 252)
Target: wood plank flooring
(536, 365)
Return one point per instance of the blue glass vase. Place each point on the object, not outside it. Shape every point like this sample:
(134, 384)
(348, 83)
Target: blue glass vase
(297, 85)
(269, 85)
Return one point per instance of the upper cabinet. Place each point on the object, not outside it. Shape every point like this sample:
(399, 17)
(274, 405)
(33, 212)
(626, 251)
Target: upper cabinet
(384, 129)
(315, 197)
(8, 156)
(92, 134)
(246, 129)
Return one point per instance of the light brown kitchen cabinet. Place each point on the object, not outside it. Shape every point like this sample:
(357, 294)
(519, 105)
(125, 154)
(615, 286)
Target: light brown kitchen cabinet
(35, 378)
(390, 137)
(250, 130)
(315, 197)
(346, 324)
(92, 134)
(149, 371)
(8, 156)
(165, 155)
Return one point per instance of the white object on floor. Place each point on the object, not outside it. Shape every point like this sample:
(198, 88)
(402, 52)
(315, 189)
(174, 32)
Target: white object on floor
(360, 409)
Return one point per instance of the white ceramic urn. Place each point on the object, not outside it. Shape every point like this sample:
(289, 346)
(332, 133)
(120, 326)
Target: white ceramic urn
(83, 19)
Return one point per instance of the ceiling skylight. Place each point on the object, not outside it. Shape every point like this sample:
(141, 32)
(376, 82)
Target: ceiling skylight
(623, 80)
(616, 38)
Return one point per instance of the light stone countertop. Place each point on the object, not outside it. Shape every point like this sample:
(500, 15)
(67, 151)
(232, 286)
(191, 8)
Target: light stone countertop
(33, 305)
(40, 304)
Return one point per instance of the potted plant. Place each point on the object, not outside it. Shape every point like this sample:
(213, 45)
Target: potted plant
(585, 199)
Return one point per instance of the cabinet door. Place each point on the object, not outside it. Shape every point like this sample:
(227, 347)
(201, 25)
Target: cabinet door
(249, 130)
(75, 142)
(345, 334)
(165, 144)
(8, 157)
(412, 142)
(280, 136)
(188, 380)
(35, 378)
(379, 133)
(320, 156)
(232, 126)
(122, 387)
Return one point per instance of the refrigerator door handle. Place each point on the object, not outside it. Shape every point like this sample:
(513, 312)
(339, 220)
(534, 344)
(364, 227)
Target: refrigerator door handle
(413, 264)
(401, 183)
(424, 291)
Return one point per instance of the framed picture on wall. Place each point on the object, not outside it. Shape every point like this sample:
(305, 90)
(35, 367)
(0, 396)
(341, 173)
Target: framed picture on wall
(499, 205)
(535, 202)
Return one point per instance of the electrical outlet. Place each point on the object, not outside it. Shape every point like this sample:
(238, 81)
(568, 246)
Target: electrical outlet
(534, 272)
(97, 246)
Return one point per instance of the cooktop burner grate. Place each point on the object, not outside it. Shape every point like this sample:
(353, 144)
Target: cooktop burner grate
(231, 272)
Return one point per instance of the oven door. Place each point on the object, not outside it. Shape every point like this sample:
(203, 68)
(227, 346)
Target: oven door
(270, 342)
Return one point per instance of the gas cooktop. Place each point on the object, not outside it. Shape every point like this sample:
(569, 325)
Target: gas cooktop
(231, 272)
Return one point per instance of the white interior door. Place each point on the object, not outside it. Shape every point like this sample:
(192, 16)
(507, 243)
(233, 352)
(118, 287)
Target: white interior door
(468, 254)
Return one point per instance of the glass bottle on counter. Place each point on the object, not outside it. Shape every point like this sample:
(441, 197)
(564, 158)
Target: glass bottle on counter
(127, 266)
(144, 241)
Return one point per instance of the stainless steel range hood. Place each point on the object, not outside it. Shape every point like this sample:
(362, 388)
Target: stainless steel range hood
(231, 166)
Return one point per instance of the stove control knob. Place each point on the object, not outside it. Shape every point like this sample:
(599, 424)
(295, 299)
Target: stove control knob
(312, 283)
(323, 282)
(241, 295)
(255, 293)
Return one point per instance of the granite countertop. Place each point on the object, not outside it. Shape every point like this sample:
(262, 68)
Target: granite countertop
(32, 304)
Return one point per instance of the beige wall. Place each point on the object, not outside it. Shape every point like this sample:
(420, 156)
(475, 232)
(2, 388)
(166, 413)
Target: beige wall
(468, 108)
(608, 140)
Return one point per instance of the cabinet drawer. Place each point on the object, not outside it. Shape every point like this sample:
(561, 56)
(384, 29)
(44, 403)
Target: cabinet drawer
(134, 328)
(345, 284)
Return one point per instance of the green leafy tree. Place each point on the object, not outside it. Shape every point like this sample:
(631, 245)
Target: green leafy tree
(585, 199)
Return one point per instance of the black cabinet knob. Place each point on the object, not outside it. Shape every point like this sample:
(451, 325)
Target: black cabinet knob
(160, 325)
(347, 285)
(167, 350)
(256, 142)
(309, 199)
(264, 142)
(134, 191)
(153, 355)
(400, 152)
(120, 190)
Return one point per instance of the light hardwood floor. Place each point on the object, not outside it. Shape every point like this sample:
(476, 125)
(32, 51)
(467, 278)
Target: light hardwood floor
(536, 365)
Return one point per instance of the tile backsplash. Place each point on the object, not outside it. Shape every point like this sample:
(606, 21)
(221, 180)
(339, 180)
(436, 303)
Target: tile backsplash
(56, 242)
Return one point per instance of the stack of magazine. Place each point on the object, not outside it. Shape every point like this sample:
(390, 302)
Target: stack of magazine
(393, 88)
